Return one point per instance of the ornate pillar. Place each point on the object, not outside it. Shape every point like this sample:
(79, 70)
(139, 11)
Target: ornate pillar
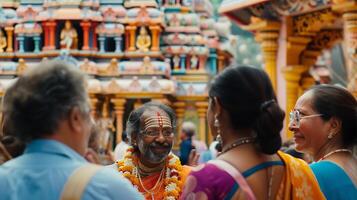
(20, 38)
(119, 106)
(220, 62)
(46, 35)
(183, 62)
(9, 32)
(202, 110)
(292, 75)
(52, 30)
(212, 61)
(180, 109)
(37, 40)
(269, 46)
(101, 44)
(348, 8)
(85, 26)
(155, 30)
(202, 63)
(118, 44)
(94, 38)
(306, 82)
(127, 39)
(93, 102)
(131, 30)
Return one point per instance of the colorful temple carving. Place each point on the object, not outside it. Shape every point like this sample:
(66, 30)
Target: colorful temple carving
(133, 51)
(293, 34)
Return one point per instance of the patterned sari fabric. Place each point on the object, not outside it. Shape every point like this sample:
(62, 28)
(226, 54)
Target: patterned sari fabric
(299, 182)
(208, 182)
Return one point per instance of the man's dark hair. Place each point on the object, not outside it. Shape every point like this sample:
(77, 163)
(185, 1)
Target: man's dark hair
(34, 105)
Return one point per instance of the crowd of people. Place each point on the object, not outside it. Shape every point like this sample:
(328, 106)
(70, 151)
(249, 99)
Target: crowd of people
(48, 143)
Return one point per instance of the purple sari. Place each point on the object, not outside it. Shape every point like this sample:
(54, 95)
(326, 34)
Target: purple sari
(216, 180)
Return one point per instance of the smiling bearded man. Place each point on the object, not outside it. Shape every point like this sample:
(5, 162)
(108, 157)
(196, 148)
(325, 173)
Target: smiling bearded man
(148, 163)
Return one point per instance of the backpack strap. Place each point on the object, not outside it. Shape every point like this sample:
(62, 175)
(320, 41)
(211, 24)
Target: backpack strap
(236, 175)
(77, 182)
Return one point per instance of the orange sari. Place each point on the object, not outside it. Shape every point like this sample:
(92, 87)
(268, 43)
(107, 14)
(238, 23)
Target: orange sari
(159, 192)
(299, 182)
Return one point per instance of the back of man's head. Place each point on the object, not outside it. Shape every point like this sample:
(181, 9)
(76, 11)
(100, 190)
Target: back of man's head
(36, 103)
(189, 129)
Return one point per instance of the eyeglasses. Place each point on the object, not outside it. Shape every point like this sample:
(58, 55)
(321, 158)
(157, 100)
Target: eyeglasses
(295, 117)
(156, 132)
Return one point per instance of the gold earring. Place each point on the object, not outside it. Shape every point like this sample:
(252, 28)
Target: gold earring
(330, 135)
(217, 124)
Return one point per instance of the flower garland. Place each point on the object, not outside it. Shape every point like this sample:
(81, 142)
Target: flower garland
(173, 181)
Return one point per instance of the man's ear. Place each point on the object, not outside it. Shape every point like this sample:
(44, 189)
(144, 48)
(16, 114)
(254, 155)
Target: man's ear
(133, 139)
(75, 120)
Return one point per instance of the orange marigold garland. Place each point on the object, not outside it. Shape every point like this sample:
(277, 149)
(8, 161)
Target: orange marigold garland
(172, 181)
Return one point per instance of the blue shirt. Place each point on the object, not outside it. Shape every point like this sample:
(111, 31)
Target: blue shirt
(185, 150)
(43, 169)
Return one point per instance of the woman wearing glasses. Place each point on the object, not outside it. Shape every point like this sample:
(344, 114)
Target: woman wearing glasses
(324, 123)
(244, 112)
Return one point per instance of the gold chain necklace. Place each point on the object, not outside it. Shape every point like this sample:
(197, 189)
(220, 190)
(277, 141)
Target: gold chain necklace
(335, 151)
(151, 191)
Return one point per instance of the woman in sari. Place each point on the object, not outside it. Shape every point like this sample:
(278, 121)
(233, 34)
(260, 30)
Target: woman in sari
(243, 112)
(324, 123)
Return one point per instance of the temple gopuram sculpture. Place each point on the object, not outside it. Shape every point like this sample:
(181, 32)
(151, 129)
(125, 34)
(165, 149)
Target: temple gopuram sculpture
(69, 36)
(143, 41)
(133, 51)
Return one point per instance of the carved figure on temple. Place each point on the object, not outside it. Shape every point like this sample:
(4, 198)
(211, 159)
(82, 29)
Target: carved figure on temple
(172, 2)
(143, 41)
(194, 62)
(147, 67)
(69, 36)
(135, 85)
(176, 62)
(3, 42)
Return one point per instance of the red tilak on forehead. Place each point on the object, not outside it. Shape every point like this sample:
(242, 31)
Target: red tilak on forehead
(159, 119)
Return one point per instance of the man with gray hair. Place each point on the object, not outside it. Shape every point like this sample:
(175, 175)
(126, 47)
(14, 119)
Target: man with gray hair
(188, 130)
(49, 109)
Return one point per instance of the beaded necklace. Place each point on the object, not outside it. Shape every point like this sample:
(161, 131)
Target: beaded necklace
(237, 143)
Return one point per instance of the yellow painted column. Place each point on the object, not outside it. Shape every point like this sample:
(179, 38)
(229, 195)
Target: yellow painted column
(155, 30)
(180, 109)
(269, 46)
(220, 62)
(119, 106)
(132, 38)
(348, 9)
(292, 75)
(93, 102)
(306, 83)
(9, 32)
(202, 110)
